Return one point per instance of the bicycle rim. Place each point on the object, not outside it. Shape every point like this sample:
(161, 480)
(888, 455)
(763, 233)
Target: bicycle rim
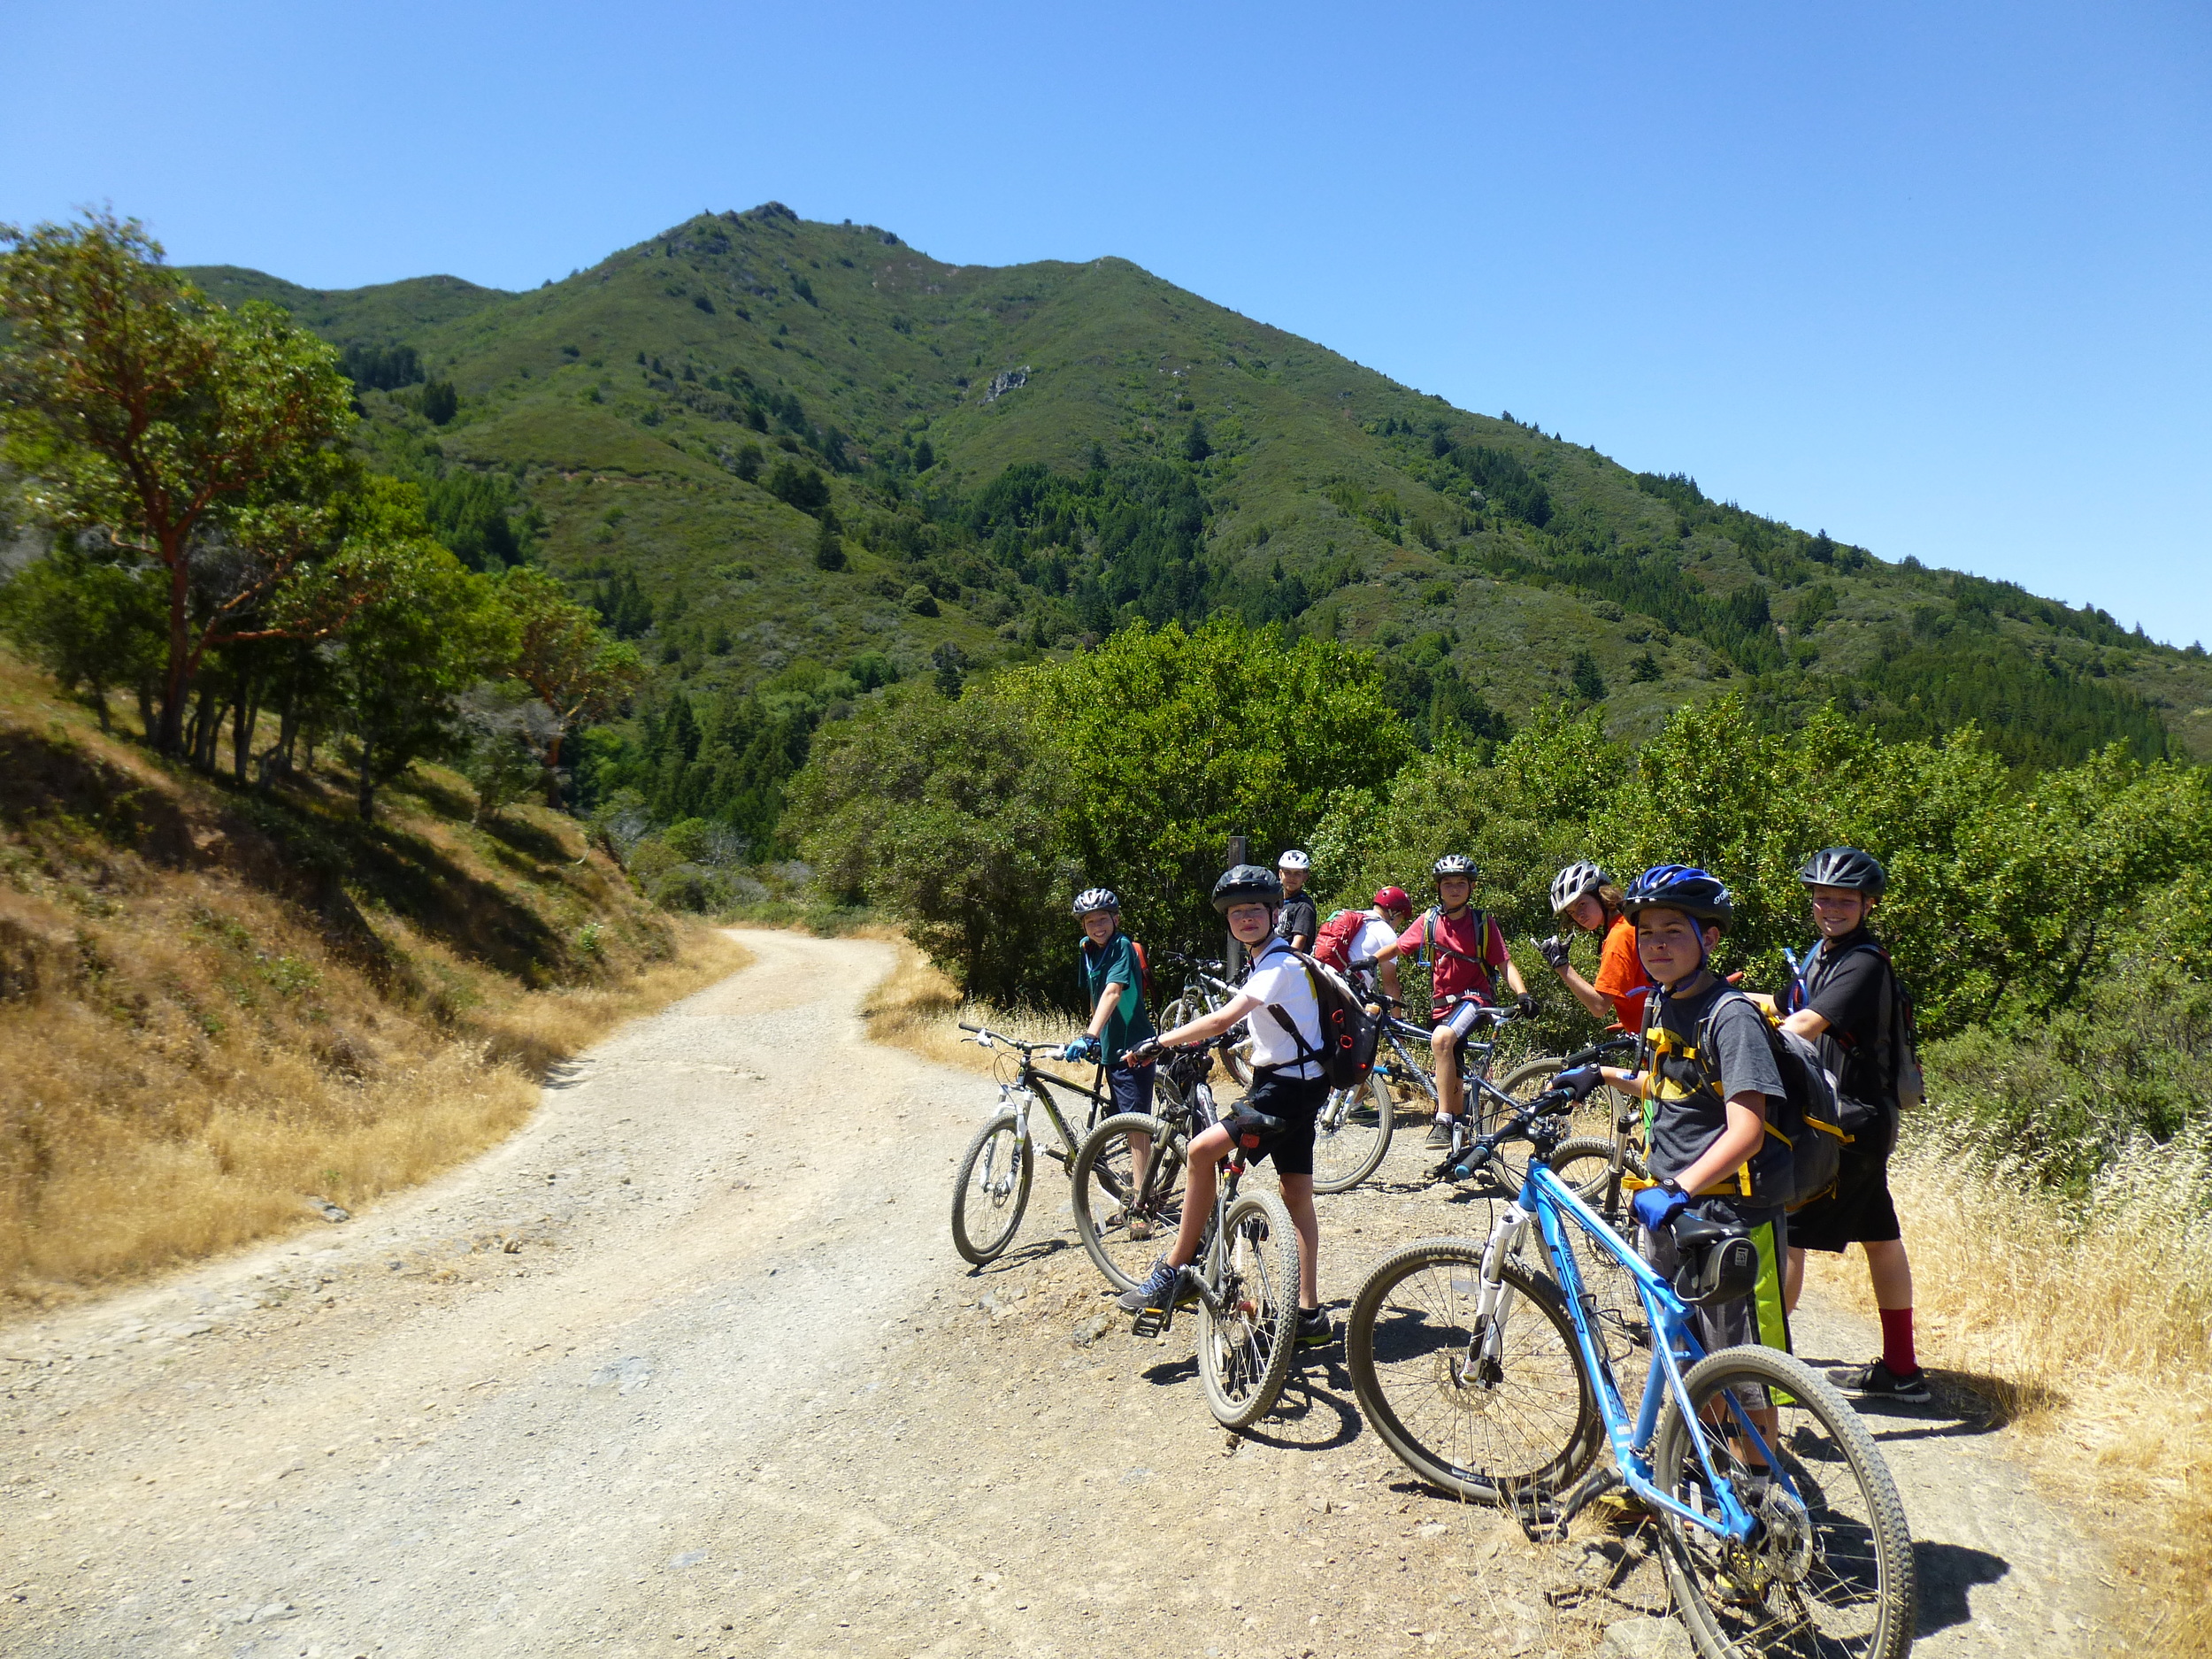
(991, 1191)
(1518, 1417)
(1244, 1352)
(1351, 1135)
(1832, 1576)
(1126, 1225)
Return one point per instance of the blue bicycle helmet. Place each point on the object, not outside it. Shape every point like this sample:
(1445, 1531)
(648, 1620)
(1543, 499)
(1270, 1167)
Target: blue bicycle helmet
(1683, 887)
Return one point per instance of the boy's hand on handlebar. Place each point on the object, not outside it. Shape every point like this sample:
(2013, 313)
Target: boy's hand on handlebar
(1526, 1003)
(1579, 1081)
(1655, 1206)
(1144, 1054)
(1081, 1049)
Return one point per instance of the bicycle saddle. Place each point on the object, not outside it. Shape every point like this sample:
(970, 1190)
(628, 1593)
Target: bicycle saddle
(1248, 1128)
(1719, 1264)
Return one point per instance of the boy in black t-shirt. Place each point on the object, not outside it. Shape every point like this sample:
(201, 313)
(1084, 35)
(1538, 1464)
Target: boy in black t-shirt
(1297, 924)
(1706, 1111)
(1850, 1000)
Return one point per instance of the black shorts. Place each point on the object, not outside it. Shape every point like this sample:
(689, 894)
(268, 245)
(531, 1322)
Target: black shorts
(1130, 1086)
(1297, 1101)
(1859, 1211)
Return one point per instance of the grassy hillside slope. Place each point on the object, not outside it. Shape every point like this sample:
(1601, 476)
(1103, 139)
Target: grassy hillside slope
(643, 407)
(216, 1004)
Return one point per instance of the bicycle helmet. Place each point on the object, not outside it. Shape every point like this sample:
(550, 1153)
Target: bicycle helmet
(1293, 860)
(1247, 884)
(1578, 879)
(1683, 887)
(1097, 899)
(1392, 899)
(1844, 867)
(1454, 864)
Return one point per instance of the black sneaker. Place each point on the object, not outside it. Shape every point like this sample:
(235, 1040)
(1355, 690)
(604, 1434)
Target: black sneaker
(1314, 1329)
(1440, 1136)
(1874, 1381)
(1160, 1283)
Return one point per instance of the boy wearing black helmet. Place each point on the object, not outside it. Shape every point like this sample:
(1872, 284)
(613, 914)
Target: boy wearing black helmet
(1709, 1073)
(1288, 1083)
(1849, 998)
(1464, 951)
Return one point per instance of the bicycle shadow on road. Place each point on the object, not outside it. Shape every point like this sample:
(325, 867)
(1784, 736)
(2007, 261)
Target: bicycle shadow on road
(1035, 1250)
(1312, 1414)
(1946, 1574)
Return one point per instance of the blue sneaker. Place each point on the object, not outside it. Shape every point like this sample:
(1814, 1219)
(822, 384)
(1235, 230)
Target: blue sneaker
(1162, 1284)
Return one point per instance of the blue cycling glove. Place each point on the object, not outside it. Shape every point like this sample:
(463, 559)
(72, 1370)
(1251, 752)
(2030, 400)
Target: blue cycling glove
(1579, 1081)
(1081, 1049)
(1655, 1206)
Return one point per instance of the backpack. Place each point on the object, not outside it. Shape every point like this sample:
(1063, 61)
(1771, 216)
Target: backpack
(1349, 1032)
(1810, 1121)
(1430, 948)
(1333, 945)
(1909, 1083)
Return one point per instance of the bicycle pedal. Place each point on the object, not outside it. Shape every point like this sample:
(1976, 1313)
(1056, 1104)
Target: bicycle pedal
(1055, 1154)
(1152, 1322)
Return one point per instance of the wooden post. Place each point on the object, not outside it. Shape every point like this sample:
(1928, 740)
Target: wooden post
(1234, 955)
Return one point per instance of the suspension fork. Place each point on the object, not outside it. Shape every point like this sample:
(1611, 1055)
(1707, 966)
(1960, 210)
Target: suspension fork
(1495, 1298)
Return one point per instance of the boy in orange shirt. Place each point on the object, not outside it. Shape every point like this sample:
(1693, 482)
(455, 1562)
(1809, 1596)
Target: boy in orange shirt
(1585, 897)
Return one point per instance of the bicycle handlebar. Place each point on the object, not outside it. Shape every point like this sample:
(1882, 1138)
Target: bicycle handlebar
(985, 1037)
(1551, 1104)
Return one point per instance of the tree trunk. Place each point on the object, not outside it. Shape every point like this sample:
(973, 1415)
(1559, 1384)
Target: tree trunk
(368, 781)
(553, 771)
(248, 717)
(178, 682)
(146, 707)
(208, 729)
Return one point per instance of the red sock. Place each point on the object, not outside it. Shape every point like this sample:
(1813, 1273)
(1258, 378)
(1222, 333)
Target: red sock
(1897, 1353)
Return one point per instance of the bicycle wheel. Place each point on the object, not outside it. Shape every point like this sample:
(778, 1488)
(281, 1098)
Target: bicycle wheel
(1236, 1059)
(1482, 1421)
(1244, 1353)
(1181, 1011)
(1351, 1134)
(991, 1191)
(1126, 1226)
(1594, 1117)
(1832, 1572)
(1585, 1164)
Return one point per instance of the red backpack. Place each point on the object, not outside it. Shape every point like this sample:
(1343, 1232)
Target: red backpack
(1333, 943)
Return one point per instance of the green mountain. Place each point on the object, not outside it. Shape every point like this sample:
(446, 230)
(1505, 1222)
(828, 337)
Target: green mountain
(798, 458)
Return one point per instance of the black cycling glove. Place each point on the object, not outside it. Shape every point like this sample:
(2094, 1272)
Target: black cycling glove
(1528, 1006)
(1553, 951)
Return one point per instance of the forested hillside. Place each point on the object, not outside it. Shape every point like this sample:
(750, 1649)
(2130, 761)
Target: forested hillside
(797, 461)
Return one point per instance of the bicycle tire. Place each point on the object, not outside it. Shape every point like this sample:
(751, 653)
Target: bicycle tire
(1814, 1558)
(1100, 1176)
(1244, 1359)
(1594, 1117)
(1595, 1185)
(984, 1235)
(1412, 1324)
(1346, 1151)
(1236, 1059)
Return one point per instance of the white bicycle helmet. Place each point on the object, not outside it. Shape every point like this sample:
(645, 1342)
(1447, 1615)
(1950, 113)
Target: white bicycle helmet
(1572, 883)
(1293, 860)
(1097, 899)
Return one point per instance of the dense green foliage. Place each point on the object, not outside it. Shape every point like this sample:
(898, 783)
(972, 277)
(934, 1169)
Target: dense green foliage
(1128, 766)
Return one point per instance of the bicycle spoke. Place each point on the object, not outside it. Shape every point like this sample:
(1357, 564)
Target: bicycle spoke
(1128, 1196)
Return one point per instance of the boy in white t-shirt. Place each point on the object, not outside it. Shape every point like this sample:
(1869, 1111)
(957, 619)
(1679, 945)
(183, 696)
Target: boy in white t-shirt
(1288, 1083)
(1372, 951)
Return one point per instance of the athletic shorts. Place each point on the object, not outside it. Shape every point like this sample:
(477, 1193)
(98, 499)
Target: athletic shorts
(1130, 1086)
(1859, 1211)
(1297, 1101)
(1462, 1017)
(1756, 1318)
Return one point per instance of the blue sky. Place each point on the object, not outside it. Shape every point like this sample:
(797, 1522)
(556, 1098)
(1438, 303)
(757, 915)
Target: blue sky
(1933, 278)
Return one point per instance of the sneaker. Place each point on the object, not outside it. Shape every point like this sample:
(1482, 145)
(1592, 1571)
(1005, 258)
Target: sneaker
(1314, 1329)
(1440, 1135)
(1162, 1283)
(1876, 1381)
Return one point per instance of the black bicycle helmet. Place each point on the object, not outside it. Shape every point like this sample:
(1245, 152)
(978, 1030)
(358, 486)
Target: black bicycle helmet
(1683, 887)
(1454, 864)
(1844, 867)
(1247, 884)
(1097, 899)
(1572, 883)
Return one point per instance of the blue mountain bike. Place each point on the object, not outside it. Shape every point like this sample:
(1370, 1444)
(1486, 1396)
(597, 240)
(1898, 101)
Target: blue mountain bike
(1778, 1525)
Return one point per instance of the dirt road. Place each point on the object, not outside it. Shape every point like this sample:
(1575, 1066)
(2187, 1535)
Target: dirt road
(689, 1367)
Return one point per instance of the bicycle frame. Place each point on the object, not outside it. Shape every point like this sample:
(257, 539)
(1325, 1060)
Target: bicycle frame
(1549, 1201)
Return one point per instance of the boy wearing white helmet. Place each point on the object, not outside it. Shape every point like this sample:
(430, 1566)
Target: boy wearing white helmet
(1582, 894)
(1297, 923)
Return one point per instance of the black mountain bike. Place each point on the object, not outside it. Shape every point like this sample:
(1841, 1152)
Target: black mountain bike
(991, 1189)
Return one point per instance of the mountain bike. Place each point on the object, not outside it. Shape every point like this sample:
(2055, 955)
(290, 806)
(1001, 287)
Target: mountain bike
(991, 1189)
(1204, 990)
(1245, 1277)
(1127, 1176)
(1493, 1382)
(1605, 1140)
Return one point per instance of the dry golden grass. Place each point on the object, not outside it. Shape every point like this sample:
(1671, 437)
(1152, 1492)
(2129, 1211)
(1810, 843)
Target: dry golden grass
(2092, 1325)
(918, 1008)
(197, 1037)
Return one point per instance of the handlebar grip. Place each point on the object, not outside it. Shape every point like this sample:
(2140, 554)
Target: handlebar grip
(965, 1026)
